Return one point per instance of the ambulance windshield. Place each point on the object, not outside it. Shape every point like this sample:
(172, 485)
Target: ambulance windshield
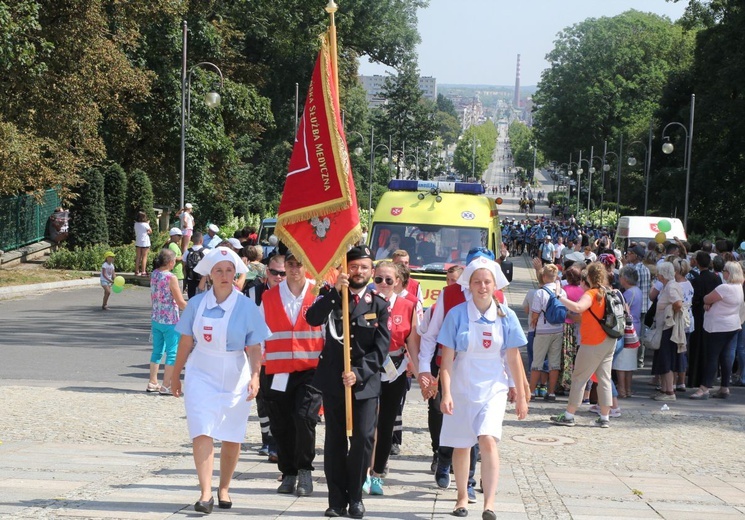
(431, 248)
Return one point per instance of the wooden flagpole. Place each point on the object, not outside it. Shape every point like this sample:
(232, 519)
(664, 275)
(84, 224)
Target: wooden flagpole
(331, 8)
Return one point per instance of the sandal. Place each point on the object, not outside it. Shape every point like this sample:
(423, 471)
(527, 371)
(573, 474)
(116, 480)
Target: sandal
(699, 395)
(720, 395)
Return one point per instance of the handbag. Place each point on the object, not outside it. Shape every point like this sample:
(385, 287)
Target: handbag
(652, 338)
(630, 338)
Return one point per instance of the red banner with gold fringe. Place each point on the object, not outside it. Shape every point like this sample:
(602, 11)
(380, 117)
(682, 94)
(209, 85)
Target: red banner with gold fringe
(318, 218)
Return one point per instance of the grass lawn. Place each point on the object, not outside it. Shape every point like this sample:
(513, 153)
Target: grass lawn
(25, 276)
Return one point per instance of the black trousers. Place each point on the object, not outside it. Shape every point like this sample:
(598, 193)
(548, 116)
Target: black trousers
(390, 403)
(345, 462)
(293, 430)
(191, 287)
(398, 426)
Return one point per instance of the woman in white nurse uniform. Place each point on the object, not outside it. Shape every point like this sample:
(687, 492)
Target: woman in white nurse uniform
(476, 383)
(219, 328)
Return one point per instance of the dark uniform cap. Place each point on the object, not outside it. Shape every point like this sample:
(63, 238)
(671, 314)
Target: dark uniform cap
(290, 256)
(358, 253)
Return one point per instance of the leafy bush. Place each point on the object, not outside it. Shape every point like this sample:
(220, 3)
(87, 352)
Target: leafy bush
(115, 199)
(88, 211)
(91, 257)
(235, 223)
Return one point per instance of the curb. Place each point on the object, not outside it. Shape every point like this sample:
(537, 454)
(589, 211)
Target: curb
(18, 290)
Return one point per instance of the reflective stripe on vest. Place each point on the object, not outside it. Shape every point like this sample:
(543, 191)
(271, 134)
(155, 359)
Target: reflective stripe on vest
(290, 348)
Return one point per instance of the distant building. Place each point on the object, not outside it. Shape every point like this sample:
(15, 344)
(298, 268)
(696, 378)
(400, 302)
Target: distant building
(374, 85)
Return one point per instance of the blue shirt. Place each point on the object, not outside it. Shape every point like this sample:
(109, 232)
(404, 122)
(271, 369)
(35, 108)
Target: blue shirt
(213, 242)
(246, 325)
(454, 331)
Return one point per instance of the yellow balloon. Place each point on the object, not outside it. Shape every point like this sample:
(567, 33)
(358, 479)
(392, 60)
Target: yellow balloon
(119, 281)
(660, 237)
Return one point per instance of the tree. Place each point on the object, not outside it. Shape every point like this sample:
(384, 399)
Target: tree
(475, 150)
(606, 79)
(407, 118)
(88, 223)
(139, 198)
(115, 201)
(445, 104)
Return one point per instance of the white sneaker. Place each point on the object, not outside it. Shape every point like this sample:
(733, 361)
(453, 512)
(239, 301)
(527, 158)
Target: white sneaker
(614, 412)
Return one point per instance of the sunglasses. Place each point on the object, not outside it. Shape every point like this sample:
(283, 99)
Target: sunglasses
(380, 279)
(274, 272)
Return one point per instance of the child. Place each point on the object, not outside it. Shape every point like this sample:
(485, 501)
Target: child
(107, 278)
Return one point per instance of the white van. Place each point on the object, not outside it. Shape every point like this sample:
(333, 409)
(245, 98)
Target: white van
(644, 229)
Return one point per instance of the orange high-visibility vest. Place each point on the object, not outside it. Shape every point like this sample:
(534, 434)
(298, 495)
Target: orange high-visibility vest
(290, 348)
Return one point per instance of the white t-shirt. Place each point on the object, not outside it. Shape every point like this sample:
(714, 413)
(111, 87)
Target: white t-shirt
(142, 239)
(108, 269)
(724, 315)
(187, 221)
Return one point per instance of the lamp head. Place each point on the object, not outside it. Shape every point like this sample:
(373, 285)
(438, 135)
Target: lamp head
(632, 161)
(580, 171)
(212, 99)
(606, 167)
(592, 169)
(358, 151)
(668, 148)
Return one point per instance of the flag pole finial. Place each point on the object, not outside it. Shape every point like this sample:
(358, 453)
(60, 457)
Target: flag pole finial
(331, 7)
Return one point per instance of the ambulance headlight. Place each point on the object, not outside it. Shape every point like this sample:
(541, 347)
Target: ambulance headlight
(421, 196)
(438, 198)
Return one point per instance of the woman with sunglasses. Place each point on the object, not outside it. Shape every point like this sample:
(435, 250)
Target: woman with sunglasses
(402, 322)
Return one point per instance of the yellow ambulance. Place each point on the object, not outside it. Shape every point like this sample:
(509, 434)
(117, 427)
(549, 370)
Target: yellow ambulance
(437, 223)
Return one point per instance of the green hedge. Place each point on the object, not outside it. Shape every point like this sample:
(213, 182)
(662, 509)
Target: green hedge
(90, 258)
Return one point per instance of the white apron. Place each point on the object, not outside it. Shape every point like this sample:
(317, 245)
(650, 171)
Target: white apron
(479, 387)
(216, 380)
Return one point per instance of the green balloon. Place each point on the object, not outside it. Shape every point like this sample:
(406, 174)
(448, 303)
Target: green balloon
(664, 225)
(117, 288)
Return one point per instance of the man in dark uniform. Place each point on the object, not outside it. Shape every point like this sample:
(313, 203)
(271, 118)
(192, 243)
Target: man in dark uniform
(346, 463)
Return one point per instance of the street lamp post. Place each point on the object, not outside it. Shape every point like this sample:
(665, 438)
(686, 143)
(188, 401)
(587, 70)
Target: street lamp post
(606, 169)
(211, 99)
(668, 148)
(631, 161)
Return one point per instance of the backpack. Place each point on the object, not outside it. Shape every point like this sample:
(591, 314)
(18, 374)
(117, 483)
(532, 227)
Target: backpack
(614, 319)
(192, 259)
(556, 312)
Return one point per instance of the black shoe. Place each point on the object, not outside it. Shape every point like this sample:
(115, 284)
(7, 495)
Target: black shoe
(287, 487)
(356, 510)
(460, 512)
(224, 504)
(335, 512)
(304, 483)
(488, 514)
(204, 506)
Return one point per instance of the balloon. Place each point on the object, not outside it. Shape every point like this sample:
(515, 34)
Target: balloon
(660, 238)
(664, 225)
(117, 288)
(119, 281)
(742, 246)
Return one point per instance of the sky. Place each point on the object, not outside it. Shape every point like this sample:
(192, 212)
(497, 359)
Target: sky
(476, 42)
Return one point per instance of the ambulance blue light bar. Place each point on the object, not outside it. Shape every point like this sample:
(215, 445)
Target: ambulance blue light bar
(471, 188)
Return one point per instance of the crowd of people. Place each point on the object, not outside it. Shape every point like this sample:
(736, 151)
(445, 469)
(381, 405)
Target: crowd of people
(230, 311)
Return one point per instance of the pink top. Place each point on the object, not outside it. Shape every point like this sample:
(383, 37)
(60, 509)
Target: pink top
(574, 293)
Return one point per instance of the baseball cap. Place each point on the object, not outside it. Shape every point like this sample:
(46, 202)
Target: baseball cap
(175, 231)
(188, 205)
(235, 243)
(637, 250)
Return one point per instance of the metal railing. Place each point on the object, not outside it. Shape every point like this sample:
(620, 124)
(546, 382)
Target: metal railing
(24, 219)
